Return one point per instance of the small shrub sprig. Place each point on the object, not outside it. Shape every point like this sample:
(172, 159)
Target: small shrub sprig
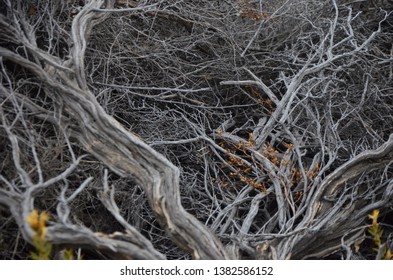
(376, 232)
(43, 249)
(37, 222)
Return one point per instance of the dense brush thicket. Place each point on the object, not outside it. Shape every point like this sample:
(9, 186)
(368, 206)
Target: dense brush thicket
(196, 129)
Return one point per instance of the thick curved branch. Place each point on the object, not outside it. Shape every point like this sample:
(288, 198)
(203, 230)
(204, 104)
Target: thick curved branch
(330, 186)
(124, 153)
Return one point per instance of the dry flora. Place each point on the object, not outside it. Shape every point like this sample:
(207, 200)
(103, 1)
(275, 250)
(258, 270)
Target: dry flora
(195, 129)
(37, 222)
(376, 232)
(43, 249)
(248, 10)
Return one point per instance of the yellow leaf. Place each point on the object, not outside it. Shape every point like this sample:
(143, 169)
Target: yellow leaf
(32, 220)
(374, 216)
(38, 222)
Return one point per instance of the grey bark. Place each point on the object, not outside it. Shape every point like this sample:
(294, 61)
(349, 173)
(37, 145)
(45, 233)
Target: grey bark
(202, 129)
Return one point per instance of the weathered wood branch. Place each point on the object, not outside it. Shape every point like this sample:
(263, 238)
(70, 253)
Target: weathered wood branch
(124, 153)
(257, 135)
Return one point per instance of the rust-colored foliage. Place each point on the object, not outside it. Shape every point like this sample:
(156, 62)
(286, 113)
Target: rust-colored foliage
(248, 10)
(238, 159)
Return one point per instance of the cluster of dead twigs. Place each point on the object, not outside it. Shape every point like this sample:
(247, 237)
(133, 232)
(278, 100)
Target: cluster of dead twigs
(196, 129)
